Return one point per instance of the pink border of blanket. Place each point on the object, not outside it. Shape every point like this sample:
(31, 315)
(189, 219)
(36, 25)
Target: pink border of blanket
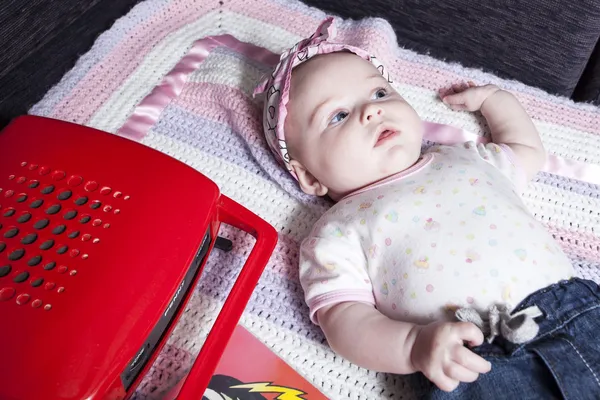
(146, 114)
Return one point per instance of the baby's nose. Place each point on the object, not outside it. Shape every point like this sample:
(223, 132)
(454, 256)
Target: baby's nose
(378, 112)
(372, 111)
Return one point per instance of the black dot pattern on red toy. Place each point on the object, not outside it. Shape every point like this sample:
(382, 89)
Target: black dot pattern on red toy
(47, 245)
(11, 232)
(16, 255)
(59, 229)
(65, 195)
(69, 215)
(41, 224)
(29, 238)
(36, 203)
(53, 209)
(5, 270)
(37, 282)
(48, 189)
(44, 217)
(21, 277)
(50, 266)
(35, 260)
(23, 218)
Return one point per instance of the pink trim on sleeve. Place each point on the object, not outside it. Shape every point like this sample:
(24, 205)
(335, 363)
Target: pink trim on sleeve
(338, 296)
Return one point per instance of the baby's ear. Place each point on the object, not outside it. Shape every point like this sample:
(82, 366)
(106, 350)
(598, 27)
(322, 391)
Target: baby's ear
(307, 181)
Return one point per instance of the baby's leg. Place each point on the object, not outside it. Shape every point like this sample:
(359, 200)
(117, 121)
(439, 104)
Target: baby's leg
(561, 362)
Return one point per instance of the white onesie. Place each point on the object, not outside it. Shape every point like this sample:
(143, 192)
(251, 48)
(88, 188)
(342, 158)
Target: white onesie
(451, 231)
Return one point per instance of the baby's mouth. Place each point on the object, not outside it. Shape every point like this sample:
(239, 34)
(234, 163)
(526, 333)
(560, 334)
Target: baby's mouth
(385, 135)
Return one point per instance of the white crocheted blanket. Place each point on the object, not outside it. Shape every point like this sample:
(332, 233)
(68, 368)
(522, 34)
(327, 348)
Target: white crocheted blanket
(210, 121)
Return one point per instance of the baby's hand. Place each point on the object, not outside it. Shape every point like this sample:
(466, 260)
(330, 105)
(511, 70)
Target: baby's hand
(439, 353)
(467, 96)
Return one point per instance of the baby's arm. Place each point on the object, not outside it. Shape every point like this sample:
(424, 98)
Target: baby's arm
(508, 121)
(364, 336)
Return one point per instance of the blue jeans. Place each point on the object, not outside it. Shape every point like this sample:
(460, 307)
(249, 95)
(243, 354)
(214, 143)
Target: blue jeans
(561, 362)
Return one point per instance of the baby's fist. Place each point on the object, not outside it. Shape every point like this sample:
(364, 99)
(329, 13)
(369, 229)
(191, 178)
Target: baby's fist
(439, 353)
(467, 96)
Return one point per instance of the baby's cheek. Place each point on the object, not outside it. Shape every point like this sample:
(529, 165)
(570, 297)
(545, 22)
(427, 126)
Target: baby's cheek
(416, 126)
(338, 172)
(335, 160)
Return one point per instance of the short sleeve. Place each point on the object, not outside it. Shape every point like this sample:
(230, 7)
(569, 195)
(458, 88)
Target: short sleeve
(502, 157)
(333, 269)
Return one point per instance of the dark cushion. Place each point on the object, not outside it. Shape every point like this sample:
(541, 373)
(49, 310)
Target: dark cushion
(25, 26)
(588, 89)
(41, 40)
(543, 43)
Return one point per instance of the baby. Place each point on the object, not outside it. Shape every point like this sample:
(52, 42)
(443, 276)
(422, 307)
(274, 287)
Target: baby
(424, 252)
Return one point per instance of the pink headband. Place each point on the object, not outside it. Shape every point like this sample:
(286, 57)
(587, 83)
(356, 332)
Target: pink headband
(277, 84)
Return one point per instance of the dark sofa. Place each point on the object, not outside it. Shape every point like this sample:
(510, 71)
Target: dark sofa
(40, 40)
(550, 44)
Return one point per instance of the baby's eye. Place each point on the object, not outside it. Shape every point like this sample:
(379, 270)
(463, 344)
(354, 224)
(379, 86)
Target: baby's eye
(339, 117)
(380, 93)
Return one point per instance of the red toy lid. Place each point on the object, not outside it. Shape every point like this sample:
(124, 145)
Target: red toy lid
(96, 234)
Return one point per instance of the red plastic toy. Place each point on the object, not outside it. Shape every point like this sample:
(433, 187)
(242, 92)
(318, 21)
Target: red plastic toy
(102, 241)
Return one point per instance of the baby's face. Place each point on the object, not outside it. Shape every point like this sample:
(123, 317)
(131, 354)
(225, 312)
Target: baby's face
(346, 126)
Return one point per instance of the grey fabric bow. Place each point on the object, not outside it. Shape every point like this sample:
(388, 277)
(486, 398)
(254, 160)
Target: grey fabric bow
(517, 328)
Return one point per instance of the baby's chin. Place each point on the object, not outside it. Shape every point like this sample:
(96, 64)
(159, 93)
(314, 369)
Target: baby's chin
(387, 169)
(399, 164)
(375, 178)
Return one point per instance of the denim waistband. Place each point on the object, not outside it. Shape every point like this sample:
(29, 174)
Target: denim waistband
(559, 303)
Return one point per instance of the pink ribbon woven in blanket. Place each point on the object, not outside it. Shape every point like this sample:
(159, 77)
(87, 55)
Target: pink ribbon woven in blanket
(150, 108)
